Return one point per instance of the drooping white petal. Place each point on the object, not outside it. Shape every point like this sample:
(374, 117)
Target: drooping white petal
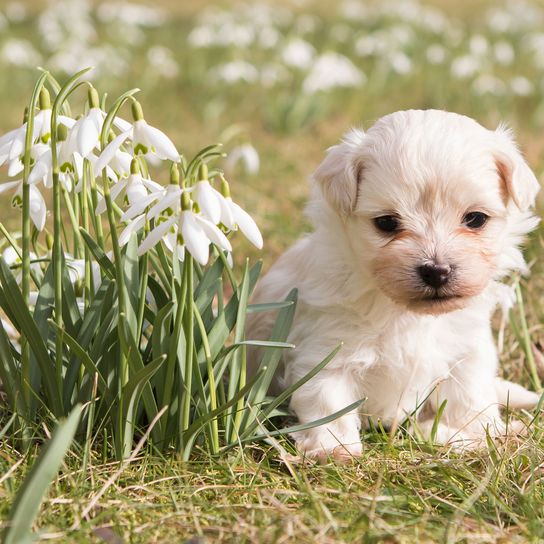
(38, 209)
(87, 136)
(133, 226)
(18, 144)
(138, 207)
(136, 190)
(7, 138)
(41, 168)
(171, 196)
(108, 153)
(226, 214)
(195, 239)
(151, 185)
(15, 167)
(118, 188)
(156, 234)
(246, 224)
(154, 140)
(121, 124)
(213, 233)
(207, 201)
(10, 185)
(66, 121)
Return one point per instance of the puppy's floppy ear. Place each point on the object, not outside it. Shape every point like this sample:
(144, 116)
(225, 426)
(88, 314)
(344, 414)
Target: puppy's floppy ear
(339, 174)
(519, 181)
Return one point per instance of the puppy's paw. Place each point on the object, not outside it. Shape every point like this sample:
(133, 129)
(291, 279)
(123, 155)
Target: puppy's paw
(342, 454)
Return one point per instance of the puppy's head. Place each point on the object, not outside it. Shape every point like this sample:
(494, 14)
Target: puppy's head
(433, 205)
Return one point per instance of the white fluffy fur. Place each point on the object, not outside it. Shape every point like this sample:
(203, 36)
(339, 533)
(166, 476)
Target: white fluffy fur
(401, 352)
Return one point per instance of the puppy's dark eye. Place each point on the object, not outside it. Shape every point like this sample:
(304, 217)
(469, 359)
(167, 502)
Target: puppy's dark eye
(475, 220)
(387, 223)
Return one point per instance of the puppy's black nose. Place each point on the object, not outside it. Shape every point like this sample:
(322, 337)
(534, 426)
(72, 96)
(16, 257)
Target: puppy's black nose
(434, 275)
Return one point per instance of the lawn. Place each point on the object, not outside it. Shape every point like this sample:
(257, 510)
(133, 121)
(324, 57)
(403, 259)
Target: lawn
(286, 80)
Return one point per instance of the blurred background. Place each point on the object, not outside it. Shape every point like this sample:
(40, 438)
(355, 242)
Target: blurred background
(279, 81)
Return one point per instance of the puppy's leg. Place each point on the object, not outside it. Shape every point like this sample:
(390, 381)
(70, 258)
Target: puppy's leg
(472, 408)
(514, 395)
(327, 393)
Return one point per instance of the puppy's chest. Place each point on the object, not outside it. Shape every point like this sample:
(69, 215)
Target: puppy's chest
(427, 347)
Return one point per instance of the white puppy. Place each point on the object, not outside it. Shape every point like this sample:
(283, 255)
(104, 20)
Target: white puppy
(416, 221)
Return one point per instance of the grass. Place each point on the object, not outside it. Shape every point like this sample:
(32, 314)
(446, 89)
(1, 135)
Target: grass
(400, 490)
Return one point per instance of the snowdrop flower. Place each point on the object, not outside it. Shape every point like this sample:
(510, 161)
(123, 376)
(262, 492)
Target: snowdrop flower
(436, 54)
(236, 71)
(85, 135)
(521, 86)
(504, 53)
(247, 155)
(20, 53)
(465, 67)
(401, 63)
(207, 197)
(234, 217)
(332, 70)
(134, 188)
(298, 53)
(189, 230)
(38, 209)
(148, 139)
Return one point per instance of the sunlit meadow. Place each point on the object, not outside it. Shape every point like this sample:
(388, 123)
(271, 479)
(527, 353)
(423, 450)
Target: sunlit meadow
(276, 83)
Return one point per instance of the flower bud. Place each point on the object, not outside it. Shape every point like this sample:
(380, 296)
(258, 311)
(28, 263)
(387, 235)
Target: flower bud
(45, 99)
(49, 240)
(225, 189)
(137, 113)
(202, 172)
(174, 174)
(94, 99)
(135, 166)
(62, 132)
(185, 201)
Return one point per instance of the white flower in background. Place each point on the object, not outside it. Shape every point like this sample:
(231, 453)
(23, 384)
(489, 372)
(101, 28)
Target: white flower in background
(162, 60)
(488, 84)
(436, 54)
(268, 37)
(298, 54)
(20, 53)
(272, 74)
(465, 67)
(521, 86)
(38, 209)
(236, 71)
(401, 63)
(245, 154)
(147, 139)
(332, 70)
(478, 45)
(504, 53)
(126, 13)
(16, 12)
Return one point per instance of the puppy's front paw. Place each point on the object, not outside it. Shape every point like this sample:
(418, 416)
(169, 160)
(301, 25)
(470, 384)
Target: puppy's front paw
(324, 447)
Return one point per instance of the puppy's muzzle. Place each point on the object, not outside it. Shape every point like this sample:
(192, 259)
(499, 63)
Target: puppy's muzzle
(435, 275)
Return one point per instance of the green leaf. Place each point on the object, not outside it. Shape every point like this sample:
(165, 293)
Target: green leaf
(268, 306)
(105, 263)
(30, 494)
(131, 395)
(15, 305)
(10, 375)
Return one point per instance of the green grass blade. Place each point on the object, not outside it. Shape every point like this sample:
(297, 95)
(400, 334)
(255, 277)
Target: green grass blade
(29, 497)
(105, 263)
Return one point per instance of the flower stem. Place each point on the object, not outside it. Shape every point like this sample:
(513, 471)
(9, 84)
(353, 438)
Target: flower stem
(189, 341)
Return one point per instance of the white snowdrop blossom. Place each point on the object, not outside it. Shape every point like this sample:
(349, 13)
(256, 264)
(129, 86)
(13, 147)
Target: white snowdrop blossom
(465, 67)
(38, 209)
(521, 86)
(236, 71)
(245, 154)
(298, 54)
(332, 70)
(186, 229)
(234, 218)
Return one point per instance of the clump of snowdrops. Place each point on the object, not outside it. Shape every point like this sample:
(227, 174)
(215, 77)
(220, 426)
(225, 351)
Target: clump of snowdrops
(118, 300)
